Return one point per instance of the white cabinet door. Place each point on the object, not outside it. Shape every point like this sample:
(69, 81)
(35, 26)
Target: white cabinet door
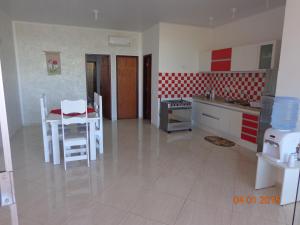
(214, 117)
(235, 123)
(196, 114)
(205, 61)
(217, 118)
(245, 58)
(224, 123)
(205, 115)
(269, 54)
(210, 117)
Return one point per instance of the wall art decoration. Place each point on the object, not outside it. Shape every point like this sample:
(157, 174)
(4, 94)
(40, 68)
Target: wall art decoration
(53, 63)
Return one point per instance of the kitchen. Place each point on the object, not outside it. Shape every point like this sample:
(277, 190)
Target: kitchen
(235, 91)
(239, 74)
(226, 63)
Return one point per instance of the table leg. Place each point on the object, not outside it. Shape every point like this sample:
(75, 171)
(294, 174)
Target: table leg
(101, 143)
(92, 141)
(46, 147)
(265, 174)
(101, 138)
(55, 144)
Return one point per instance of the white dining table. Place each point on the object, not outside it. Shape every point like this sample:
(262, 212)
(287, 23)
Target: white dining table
(55, 120)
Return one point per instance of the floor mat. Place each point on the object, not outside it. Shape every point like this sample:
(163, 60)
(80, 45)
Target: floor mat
(219, 141)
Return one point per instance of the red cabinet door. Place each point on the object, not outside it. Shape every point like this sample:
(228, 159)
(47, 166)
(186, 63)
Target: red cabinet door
(249, 127)
(225, 53)
(221, 65)
(250, 117)
(248, 138)
(221, 59)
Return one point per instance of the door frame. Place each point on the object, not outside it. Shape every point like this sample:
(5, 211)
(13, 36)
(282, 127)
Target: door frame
(137, 83)
(144, 57)
(7, 176)
(98, 69)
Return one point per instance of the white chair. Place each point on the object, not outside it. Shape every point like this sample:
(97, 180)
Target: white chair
(99, 124)
(45, 128)
(96, 100)
(45, 102)
(76, 145)
(47, 137)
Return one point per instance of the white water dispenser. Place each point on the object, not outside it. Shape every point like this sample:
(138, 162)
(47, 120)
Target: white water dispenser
(279, 144)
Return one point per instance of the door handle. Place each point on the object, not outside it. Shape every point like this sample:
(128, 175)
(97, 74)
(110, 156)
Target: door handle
(210, 116)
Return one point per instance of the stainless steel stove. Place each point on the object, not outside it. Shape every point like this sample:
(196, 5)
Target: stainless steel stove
(175, 115)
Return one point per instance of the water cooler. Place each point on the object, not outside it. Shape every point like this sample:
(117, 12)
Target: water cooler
(278, 153)
(279, 144)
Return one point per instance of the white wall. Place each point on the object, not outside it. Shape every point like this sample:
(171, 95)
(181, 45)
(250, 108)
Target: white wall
(288, 75)
(174, 48)
(32, 39)
(259, 28)
(151, 46)
(179, 47)
(10, 79)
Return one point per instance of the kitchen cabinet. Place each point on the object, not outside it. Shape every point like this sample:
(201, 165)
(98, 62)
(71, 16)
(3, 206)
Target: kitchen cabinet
(235, 123)
(221, 54)
(224, 65)
(249, 128)
(269, 54)
(196, 113)
(205, 61)
(265, 56)
(221, 59)
(216, 118)
(245, 58)
(231, 123)
(242, 58)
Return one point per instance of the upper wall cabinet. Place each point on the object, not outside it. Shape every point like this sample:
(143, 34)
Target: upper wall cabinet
(205, 61)
(269, 54)
(265, 56)
(245, 58)
(242, 58)
(221, 59)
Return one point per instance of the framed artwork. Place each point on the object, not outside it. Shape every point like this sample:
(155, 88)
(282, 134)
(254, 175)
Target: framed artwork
(53, 63)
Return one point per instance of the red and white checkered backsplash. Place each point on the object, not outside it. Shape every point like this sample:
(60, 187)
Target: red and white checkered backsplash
(235, 85)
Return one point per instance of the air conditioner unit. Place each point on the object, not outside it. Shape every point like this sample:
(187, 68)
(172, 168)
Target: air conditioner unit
(119, 41)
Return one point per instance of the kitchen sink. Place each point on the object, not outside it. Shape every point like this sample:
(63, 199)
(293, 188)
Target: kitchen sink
(238, 102)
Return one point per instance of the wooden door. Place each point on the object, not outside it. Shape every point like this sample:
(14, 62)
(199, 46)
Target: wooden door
(147, 87)
(105, 85)
(91, 83)
(127, 86)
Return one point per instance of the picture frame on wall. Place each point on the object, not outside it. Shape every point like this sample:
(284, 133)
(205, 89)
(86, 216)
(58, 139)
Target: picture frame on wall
(53, 63)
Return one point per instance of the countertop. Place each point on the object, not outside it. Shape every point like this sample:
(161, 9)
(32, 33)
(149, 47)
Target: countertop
(220, 102)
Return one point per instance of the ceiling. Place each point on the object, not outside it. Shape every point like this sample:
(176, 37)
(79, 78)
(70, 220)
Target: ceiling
(135, 15)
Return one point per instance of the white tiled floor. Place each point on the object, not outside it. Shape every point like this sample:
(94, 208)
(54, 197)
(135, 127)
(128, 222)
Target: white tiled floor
(146, 177)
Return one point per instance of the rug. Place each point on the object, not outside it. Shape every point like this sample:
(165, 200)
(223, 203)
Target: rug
(219, 141)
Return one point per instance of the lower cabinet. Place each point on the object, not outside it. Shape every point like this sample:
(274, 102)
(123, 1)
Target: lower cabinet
(249, 130)
(242, 127)
(235, 123)
(217, 118)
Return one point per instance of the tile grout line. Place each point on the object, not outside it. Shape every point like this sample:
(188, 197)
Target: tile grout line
(185, 201)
